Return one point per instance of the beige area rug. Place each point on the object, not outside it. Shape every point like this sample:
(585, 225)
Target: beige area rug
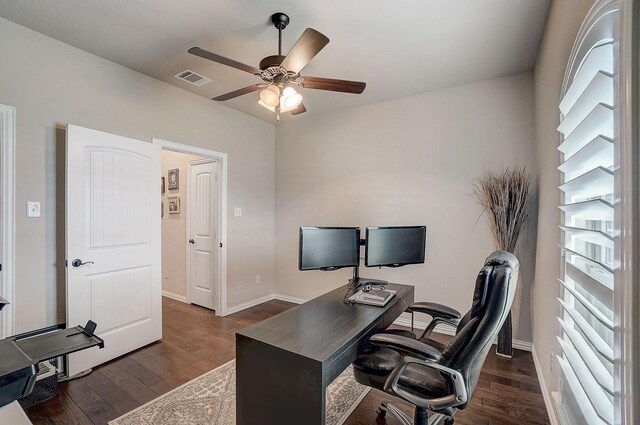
(211, 399)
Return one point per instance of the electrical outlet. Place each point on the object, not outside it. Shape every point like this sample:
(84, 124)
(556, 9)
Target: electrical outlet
(237, 212)
(258, 279)
(166, 274)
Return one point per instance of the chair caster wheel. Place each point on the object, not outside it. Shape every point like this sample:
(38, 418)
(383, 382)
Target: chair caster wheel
(381, 412)
(449, 421)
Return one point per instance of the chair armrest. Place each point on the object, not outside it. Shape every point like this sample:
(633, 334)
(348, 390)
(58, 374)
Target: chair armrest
(454, 377)
(435, 310)
(405, 346)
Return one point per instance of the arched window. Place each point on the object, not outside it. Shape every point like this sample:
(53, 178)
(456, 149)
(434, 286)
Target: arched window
(590, 129)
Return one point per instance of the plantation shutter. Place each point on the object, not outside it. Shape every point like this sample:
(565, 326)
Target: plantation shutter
(587, 191)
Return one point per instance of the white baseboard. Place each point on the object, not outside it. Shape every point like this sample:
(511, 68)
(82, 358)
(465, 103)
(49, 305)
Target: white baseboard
(561, 410)
(249, 304)
(522, 345)
(448, 330)
(287, 298)
(176, 297)
(548, 402)
(257, 301)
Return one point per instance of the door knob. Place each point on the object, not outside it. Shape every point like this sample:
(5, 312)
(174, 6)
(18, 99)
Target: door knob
(191, 241)
(78, 262)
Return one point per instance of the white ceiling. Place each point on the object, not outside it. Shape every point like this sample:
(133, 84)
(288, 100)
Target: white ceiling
(398, 48)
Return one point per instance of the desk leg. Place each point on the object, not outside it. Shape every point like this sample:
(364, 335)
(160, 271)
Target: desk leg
(274, 386)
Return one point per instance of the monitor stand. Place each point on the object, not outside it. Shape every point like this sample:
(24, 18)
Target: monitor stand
(357, 281)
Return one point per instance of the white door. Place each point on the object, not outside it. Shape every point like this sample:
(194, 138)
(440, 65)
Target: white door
(7, 213)
(202, 203)
(112, 224)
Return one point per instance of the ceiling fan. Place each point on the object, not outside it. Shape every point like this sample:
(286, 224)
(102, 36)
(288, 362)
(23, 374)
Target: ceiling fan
(281, 74)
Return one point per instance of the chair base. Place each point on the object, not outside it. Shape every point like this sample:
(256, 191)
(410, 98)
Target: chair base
(421, 416)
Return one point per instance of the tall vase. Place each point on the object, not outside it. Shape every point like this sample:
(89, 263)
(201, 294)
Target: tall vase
(505, 345)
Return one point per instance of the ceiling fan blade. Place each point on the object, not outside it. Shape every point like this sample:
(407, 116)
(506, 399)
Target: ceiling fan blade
(225, 61)
(319, 83)
(300, 109)
(307, 46)
(239, 92)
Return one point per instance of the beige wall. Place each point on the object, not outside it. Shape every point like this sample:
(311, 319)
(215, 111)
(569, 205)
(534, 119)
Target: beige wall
(343, 168)
(562, 27)
(51, 85)
(402, 162)
(174, 226)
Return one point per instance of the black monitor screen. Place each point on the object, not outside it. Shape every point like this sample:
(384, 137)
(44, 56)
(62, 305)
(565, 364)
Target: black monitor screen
(395, 246)
(328, 248)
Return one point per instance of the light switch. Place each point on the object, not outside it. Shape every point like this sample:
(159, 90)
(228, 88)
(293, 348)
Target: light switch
(237, 212)
(33, 209)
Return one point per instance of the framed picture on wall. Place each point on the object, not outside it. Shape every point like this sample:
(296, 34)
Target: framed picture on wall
(162, 185)
(174, 204)
(174, 179)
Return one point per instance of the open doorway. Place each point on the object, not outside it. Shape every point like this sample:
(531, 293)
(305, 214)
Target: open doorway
(194, 225)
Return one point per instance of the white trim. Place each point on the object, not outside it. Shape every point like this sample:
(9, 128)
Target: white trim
(289, 299)
(181, 298)
(7, 225)
(627, 214)
(249, 304)
(563, 416)
(258, 301)
(521, 345)
(546, 395)
(221, 309)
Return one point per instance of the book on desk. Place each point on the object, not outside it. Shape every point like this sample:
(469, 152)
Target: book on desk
(374, 297)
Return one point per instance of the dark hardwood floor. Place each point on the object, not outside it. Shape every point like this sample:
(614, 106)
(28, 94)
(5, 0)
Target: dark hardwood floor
(196, 341)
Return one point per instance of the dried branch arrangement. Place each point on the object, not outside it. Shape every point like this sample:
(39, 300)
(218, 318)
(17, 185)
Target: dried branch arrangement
(504, 196)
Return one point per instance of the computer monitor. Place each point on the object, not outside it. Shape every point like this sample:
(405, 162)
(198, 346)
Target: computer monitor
(328, 248)
(395, 246)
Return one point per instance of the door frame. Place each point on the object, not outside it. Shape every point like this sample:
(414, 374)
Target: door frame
(216, 224)
(222, 158)
(7, 224)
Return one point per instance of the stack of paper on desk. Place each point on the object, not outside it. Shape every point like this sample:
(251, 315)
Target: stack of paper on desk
(373, 297)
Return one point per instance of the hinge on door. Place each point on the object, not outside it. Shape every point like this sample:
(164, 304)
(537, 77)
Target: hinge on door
(0, 267)
(65, 263)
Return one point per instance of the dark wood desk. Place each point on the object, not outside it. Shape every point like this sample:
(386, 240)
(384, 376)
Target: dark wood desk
(285, 363)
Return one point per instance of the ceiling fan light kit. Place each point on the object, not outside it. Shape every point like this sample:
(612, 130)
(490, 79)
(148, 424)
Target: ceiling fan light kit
(281, 74)
(291, 98)
(288, 101)
(270, 95)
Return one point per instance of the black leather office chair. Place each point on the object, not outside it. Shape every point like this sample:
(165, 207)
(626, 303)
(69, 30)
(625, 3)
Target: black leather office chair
(439, 379)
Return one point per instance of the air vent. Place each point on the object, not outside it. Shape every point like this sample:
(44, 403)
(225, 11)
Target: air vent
(192, 78)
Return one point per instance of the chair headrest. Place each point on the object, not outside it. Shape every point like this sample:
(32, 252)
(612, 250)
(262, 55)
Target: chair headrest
(500, 258)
